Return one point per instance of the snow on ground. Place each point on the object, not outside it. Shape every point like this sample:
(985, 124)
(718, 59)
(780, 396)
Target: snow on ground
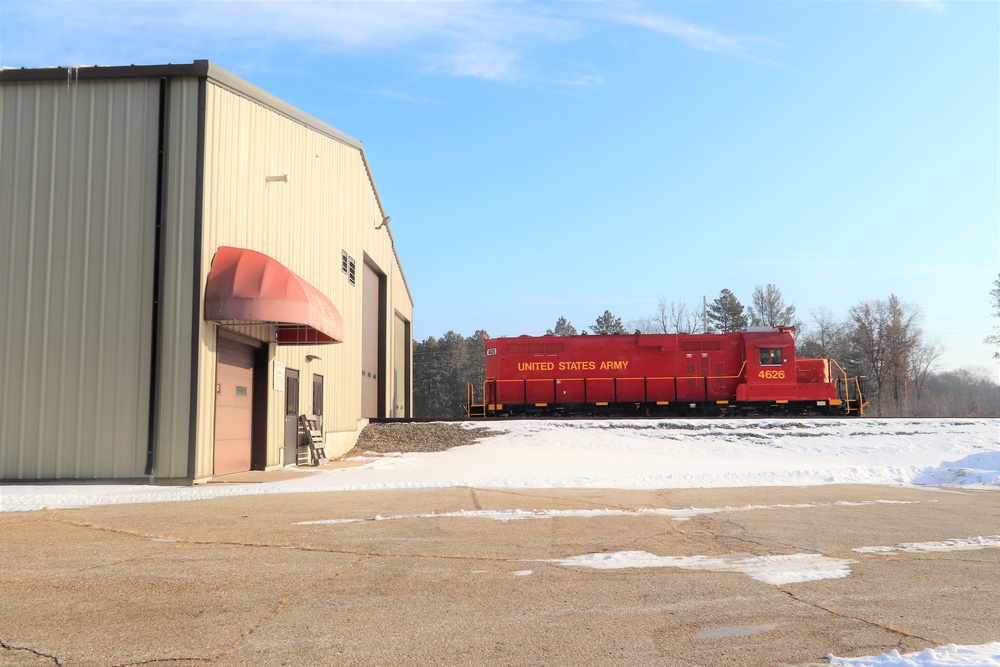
(987, 655)
(645, 454)
(623, 454)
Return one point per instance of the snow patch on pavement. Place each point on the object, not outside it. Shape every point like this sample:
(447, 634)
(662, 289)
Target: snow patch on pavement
(675, 514)
(775, 570)
(958, 544)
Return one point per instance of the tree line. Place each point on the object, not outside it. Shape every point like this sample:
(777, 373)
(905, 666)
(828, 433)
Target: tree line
(881, 340)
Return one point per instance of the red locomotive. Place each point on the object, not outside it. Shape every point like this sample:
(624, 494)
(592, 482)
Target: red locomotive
(754, 372)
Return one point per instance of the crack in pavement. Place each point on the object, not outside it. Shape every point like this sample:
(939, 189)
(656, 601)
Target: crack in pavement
(11, 647)
(77, 570)
(817, 605)
(559, 498)
(933, 641)
(244, 635)
(193, 662)
(282, 604)
(760, 543)
(273, 545)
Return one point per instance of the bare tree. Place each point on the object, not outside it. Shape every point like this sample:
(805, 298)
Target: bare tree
(643, 325)
(886, 335)
(967, 392)
(769, 309)
(661, 318)
(925, 356)
(994, 339)
(674, 317)
(827, 339)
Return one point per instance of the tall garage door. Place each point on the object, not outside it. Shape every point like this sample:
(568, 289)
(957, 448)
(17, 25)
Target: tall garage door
(400, 367)
(371, 336)
(233, 407)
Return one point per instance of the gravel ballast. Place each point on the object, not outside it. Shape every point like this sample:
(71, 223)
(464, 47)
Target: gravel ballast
(421, 437)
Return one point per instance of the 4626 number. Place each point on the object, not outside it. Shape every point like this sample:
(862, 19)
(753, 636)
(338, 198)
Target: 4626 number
(771, 375)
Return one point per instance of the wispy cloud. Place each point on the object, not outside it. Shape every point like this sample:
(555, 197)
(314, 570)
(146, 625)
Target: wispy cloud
(582, 81)
(482, 59)
(497, 41)
(936, 6)
(391, 94)
(696, 36)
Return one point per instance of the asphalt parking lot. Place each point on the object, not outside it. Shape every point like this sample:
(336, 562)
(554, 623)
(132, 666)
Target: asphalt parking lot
(243, 581)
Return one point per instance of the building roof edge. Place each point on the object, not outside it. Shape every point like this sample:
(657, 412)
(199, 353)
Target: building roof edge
(204, 69)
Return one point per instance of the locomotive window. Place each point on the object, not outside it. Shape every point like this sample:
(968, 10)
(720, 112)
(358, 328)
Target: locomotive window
(770, 356)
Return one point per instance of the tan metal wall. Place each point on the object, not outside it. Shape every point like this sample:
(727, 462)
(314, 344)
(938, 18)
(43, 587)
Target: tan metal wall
(77, 204)
(327, 205)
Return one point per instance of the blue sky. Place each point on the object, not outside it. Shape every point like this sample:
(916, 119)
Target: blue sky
(547, 159)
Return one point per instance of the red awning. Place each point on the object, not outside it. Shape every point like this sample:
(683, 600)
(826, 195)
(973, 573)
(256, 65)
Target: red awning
(249, 287)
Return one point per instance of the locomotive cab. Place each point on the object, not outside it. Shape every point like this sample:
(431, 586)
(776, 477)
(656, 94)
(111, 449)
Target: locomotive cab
(770, 364)
(777, 381)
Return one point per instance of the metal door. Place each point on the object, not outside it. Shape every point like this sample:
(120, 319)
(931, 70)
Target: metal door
(317, 409)
(233, 407)
(291, 415)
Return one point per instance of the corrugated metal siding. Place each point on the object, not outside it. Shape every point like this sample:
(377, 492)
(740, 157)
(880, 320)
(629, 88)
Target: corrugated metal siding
(180, 310)
(77, 200)
(327, 205)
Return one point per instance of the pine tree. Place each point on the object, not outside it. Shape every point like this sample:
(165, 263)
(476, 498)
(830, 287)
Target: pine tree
(608, 324)
(726, 314)
(442, 369)
(563, 328)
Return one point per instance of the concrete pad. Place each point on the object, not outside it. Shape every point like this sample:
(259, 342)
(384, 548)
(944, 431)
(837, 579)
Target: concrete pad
(242, 581)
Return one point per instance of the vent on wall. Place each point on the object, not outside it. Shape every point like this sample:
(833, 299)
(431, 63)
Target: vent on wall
(348, 267)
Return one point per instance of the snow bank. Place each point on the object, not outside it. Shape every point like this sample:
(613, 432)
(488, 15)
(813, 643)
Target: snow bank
(624, 454)
(986, 655)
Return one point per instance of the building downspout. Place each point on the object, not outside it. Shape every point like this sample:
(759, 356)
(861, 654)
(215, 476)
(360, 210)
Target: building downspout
(155, 352)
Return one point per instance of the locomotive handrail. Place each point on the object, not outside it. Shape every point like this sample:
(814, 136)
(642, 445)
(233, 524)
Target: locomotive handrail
(473, 409)
(861, 403)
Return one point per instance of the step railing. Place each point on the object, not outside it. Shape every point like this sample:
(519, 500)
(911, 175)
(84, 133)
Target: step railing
(850, 388)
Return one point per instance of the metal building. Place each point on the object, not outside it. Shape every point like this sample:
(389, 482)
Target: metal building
(186, 265)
